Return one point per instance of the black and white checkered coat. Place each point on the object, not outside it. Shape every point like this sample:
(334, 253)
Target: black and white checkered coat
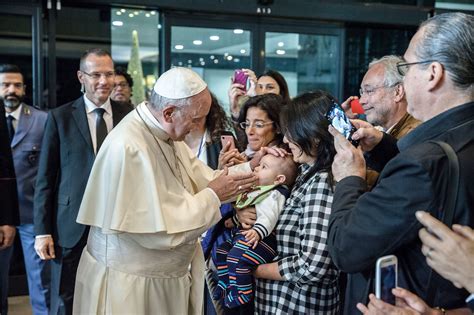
(311, 285)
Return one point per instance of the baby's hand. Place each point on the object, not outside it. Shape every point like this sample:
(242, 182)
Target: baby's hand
(252, 237)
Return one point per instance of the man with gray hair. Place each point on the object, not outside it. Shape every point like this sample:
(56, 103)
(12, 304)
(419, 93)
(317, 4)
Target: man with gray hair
(382, 97)
(363, 226)
(148, 200)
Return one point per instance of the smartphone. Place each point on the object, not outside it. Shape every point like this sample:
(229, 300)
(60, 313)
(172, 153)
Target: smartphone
(338, 119)
(386, 278)
(228, 138)
(241, 78)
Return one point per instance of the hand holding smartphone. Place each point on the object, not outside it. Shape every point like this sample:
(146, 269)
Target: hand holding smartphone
(386, 278)
(338, 119)
(241, 78)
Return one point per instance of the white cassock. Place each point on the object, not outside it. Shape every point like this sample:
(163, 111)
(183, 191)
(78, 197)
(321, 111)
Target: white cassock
(147, 203)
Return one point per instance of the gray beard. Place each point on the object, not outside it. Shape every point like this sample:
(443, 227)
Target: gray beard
(12, 103)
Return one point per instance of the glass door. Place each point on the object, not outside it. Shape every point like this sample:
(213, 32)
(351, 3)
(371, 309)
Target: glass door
(308, 58)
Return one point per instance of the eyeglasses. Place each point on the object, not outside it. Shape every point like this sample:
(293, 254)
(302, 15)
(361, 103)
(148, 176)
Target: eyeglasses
(402, 67)
(257, 124)
(371, 90)
(17, 85)
(122, 85)
(97, 75)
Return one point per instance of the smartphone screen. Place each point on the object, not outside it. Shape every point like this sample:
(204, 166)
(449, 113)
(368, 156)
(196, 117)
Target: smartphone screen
(339, 120)
(386, 278)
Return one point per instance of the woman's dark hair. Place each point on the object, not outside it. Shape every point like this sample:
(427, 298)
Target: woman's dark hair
(275, 75)
(304, 123)
(217, 122)
(270, 104)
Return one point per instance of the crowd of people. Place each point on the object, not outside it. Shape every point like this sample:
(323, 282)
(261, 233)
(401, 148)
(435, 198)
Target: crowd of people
(172, 207)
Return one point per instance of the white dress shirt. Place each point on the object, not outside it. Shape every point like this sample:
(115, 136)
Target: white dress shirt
(91, 118)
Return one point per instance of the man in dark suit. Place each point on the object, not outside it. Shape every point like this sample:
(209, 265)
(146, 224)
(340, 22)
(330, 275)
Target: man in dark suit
(73, 135)
(25, 125)
(9, 216)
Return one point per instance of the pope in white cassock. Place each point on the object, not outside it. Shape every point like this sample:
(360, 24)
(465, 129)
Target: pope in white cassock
(148, 199)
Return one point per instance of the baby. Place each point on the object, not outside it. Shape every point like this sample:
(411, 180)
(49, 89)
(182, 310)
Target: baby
(239, 256)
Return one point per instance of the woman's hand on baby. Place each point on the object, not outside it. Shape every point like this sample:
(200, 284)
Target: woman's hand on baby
(252, 237)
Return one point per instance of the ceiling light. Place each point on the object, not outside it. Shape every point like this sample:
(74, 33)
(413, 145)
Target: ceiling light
(147, 14)
(123, 10)
(179, 47)
(236, 59)
(238, 31)
(203, 63)
(201, 59)
(153, 12)
(281, 44)
(197, 42)
(159, 26)
(190, 61)
(214, 37)
(280, 52)
(131, 15)
(117, 23)
(216, 61)
(136, 13)
(180, 63)
(230, 58)
(226, 54)
(243, 51)
(212, 57)
(118, 13)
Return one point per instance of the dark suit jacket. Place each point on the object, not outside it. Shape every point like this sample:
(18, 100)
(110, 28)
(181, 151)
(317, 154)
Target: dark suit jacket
(66, 160)
(366, 225)
(26, 147)
(8, 193)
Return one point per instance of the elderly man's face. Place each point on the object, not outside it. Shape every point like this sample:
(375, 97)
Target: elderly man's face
(122, 91)
(98, 78)
(188, 118)
(377, 100)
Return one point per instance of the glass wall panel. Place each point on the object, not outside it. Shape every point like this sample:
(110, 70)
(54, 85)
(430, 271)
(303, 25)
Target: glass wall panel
(15, 47)
(135, 47)
(307, 61)
(214, 53)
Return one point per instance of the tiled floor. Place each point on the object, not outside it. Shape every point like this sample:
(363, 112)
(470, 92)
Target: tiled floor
(19, 305)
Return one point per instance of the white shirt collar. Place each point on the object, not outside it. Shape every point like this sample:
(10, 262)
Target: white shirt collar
(91, 106)
(16, 113)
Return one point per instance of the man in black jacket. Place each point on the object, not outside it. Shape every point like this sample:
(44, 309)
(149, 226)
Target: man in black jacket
(72, 137)
(364, 225)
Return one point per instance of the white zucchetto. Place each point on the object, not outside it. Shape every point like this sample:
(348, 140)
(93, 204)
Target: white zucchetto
(178, 83)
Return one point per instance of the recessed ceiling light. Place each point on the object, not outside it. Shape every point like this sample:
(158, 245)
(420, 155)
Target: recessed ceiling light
(131, 15)
(203, 63)
(280, 52)
(226, 54)
(118, 13)
(153, 12)
(123, 10)
(201, 59)
(214, 37)
(190, 61)
(243, 51)
(136, 13)
(212, 57)
(180, 63)
(197, 42)
(216, 61)
(117, 23)
(230, 58)
(159, 26)
(238, 31)
(147, 14)
(281, 44)
(178, 47)
(236, 59)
